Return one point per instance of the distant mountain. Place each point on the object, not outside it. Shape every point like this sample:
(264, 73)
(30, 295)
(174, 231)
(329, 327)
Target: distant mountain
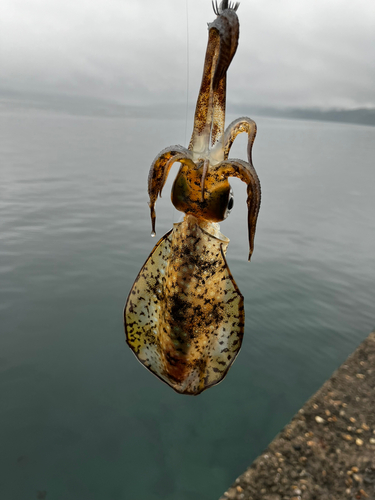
(78, 105)
(360, 116)
(87, 106)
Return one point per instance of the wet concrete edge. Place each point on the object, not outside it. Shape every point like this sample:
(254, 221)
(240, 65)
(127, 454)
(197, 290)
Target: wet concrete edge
(327, 451)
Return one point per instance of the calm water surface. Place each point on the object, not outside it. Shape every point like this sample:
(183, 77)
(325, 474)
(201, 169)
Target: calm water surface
(80, 418)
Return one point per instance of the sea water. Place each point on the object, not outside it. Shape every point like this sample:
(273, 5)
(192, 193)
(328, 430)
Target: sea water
(80, 418)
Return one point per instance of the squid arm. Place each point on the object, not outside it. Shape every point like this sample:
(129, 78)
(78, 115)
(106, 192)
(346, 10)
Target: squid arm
(238, 126)
(159, 172)
(222, 44)
(246, 173)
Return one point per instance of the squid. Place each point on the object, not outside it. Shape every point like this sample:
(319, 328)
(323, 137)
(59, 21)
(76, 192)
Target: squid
(184, 316)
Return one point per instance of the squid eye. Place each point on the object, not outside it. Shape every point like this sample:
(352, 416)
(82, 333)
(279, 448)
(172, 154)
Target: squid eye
(230, 204)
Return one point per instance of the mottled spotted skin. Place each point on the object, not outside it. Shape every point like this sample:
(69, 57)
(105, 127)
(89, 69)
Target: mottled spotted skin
(238, 126)
(185, 315)
(187, 196)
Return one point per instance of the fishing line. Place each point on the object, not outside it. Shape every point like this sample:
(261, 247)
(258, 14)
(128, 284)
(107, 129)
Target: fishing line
(187, 68)
(176, 214)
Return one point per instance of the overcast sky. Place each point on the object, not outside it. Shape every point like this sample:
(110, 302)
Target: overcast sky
(291, 52)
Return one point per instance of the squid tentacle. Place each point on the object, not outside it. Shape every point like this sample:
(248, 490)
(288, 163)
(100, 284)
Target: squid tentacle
(210, 109)
(228, 28)
(200, 138)
(243, 124)
(181, 157)
(246, 173)
(159, 172)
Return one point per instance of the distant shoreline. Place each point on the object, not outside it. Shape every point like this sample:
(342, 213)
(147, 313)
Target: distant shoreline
(359, 116)
(86, 106)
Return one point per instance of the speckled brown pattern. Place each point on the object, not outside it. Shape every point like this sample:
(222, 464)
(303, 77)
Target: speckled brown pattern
(159, 172)
(184, 317)
(238, 126)
(209, 119)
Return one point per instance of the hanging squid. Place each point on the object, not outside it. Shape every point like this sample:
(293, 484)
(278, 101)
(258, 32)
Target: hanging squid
(184, 316)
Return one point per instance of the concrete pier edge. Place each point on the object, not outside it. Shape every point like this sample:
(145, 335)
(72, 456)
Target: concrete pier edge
(327, 451)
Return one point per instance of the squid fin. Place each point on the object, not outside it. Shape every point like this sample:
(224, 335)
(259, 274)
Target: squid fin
(184, 318)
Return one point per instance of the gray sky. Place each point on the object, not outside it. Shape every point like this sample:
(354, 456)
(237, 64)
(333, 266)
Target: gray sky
(291, 52)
